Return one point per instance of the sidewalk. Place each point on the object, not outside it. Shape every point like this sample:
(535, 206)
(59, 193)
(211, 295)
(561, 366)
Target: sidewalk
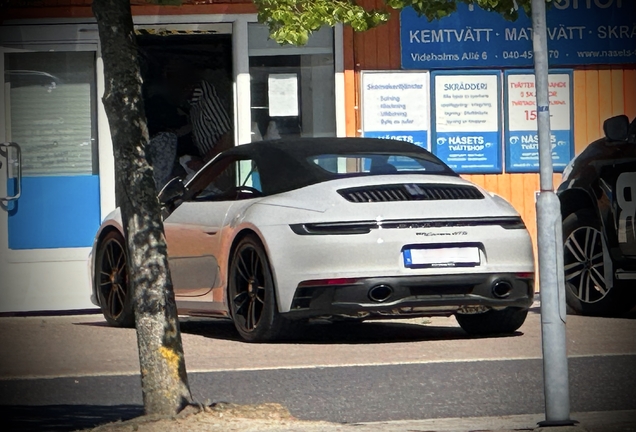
(592, 421)
(616, 421)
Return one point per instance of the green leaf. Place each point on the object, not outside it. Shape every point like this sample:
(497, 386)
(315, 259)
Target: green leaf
(293, 21)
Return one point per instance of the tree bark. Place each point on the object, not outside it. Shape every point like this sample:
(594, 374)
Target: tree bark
(163, 374)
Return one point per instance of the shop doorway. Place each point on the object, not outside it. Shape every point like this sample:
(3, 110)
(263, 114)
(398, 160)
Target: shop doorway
(178, 68)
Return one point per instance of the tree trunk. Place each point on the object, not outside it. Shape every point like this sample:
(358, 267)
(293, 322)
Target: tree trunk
(163, 374)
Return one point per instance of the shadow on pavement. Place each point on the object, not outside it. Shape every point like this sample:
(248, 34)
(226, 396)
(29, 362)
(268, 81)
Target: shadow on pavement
(629, 315)
(94, 324)
(59, 418)
(340, 332)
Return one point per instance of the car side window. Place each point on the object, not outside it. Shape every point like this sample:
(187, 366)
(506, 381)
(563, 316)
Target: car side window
(233, 180)
(248, 175)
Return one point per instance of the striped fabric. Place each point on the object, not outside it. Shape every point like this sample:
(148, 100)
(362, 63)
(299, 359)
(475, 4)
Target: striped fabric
(209, 118)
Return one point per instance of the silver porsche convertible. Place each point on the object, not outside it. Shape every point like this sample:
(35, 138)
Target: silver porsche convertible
(275, 233)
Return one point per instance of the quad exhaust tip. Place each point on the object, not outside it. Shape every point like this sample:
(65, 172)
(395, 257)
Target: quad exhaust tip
(501, 289)
(380, 293)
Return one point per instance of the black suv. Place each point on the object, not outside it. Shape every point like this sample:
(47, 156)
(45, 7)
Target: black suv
(598, 205)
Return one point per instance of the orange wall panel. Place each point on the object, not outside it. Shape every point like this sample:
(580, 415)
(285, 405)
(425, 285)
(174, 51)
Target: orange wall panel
(580, 112)
(605, 94)
(629, 86)
(382, 47)
(491, 183)
(593, 120)
(394, 40)
(598, 95)
(518, 199)
(618, 97)
(379, 48)
(504, 186)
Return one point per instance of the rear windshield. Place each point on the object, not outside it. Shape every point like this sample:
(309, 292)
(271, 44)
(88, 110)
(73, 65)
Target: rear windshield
(378, 164)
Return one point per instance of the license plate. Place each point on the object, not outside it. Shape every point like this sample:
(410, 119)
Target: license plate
(442, 257)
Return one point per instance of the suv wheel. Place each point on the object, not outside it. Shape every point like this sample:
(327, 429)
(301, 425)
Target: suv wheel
(586, 289)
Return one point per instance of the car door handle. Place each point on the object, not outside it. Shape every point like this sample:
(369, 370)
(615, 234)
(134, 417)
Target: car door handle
(206, 229)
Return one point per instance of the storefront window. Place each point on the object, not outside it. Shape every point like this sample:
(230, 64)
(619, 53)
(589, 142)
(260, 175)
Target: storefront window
(292, 88)
(51, 111)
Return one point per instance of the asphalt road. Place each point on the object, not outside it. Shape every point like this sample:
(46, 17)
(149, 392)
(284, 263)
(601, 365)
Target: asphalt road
(339, 394)
(64, 373)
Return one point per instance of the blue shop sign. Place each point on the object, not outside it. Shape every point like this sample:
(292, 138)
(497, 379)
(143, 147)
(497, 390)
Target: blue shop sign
(419, 138)
(466, 123)
(580, 32)
(395, 105)
(521, 137)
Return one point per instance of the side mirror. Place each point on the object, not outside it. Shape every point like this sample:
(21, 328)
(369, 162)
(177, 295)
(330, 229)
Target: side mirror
(616, 128)
(172, 190)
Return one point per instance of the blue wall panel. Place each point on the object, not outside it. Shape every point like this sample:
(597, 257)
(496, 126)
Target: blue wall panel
(55, 212)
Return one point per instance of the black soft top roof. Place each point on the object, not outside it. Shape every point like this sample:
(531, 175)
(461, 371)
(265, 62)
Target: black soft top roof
(306, 147)
(283, 164)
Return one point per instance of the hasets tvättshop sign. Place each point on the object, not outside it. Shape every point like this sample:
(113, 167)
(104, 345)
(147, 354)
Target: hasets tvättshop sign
(580, 32)
(521, 136)
(466, 120)
(395, 105)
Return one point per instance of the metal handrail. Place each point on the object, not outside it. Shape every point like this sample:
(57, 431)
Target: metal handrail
(17, 165)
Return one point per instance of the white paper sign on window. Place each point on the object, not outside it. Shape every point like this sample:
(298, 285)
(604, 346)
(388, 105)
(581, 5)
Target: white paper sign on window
(282, 91)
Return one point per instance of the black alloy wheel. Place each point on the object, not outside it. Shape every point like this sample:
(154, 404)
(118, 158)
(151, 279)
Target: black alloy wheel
(493, 322)
(111, 281)
(588, 290)
(251, 294)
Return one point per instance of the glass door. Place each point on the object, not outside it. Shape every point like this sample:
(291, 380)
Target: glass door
(49, 114)
(49, 171)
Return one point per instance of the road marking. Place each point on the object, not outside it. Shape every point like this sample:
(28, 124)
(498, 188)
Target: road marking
(296, 367)
(400, 363)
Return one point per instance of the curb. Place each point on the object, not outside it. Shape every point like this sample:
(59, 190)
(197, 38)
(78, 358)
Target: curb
(605, 421)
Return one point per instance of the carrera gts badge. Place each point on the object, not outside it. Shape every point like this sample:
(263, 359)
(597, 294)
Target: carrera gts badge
(440, 234)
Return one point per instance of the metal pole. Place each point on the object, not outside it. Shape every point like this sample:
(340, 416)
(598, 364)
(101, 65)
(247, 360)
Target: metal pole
(550, 245)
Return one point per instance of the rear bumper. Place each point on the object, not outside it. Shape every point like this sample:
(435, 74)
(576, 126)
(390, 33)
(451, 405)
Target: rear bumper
(409, 295)
(380, 254)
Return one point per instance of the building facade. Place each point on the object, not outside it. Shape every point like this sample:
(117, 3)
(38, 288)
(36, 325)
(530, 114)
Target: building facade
(53, 82)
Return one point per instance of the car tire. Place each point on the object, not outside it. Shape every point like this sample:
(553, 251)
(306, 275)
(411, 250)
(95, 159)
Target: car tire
(252, 296)
(586, 290)
(493, 322)
(111, 281)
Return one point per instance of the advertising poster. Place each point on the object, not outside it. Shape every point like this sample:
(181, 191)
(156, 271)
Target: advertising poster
(466, 120)
(521, 137)
(580, 32)
(395, 105)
